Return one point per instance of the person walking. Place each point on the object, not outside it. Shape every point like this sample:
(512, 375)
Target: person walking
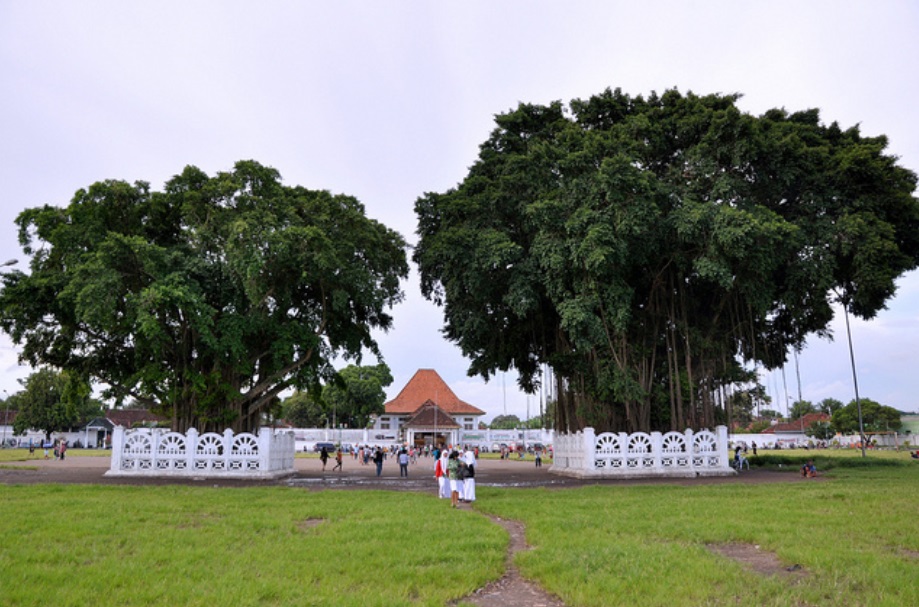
(378, 460)
(324, 457)
(403, 463)
(338, 461)
(63, 448)
(453, 474)
(538, 455)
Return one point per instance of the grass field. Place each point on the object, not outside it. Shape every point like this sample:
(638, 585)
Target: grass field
(854, 534)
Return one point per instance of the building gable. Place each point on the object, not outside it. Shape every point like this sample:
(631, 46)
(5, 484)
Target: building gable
(426, 385)
(431, 416)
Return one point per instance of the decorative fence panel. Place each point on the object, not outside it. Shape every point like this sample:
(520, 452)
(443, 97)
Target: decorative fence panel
(613, 455)
(156, 452)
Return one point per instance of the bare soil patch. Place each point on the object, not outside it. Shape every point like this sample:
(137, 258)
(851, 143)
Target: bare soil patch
(310, 523)
(757, 560)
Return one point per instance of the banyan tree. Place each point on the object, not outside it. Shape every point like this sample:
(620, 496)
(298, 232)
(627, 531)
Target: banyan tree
(652, 250)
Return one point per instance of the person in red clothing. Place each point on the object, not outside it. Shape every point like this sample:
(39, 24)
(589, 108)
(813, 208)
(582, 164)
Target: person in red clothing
(441, 479)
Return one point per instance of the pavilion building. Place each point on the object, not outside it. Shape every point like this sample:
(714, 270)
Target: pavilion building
(427, 412)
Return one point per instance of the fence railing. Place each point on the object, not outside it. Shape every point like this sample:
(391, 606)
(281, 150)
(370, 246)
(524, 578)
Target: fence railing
(157, 452)
(677, 454)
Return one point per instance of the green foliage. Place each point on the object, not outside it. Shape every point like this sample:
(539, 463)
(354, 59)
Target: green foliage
(820, 430)
(875, 418)
(800, 408)
(355, 394)
(206, 300)
(506, 422)
(640, 247)
(825, 460)
(744, 401)
(829, 406)
(759, 425)
(52, 401)
(303, 411)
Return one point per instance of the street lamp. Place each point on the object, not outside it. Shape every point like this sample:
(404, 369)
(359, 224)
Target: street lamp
(858, 402)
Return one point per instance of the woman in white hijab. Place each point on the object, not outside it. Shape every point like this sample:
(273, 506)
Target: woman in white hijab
(469, 481)
(445, 486)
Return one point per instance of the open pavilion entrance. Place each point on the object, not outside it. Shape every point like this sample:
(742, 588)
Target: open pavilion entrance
(432, 426)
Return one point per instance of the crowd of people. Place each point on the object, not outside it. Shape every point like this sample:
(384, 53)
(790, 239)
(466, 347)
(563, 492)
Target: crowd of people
(455, 474)
(454, 468)
(57, 446)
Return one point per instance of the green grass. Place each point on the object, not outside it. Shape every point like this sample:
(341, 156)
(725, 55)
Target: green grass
(855, 532)
(71, 545)
(22, 455)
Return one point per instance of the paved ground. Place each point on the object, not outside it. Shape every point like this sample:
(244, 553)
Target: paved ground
(309, 475)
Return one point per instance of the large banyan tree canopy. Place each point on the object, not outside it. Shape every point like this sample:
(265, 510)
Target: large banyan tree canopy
(647, 250)
(206, 300)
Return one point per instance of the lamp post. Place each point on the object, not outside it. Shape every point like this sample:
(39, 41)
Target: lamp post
(858, 402)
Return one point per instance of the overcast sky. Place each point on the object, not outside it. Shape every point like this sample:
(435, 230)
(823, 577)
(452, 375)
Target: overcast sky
(387, 100)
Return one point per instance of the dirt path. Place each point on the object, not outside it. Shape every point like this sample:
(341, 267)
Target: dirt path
(512, 590)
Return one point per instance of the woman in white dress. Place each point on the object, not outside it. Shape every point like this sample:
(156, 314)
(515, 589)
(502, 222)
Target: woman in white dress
(469, 481)
(445, 487)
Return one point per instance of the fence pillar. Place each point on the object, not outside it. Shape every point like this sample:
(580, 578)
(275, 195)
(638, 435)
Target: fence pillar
(589, 447)
(191, 448)
(265, 448)
(117, 447)
(657, 450)
(721, 434)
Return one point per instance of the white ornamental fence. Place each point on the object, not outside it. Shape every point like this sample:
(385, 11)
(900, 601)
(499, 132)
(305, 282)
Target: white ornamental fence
(155, 452)
(586, 454)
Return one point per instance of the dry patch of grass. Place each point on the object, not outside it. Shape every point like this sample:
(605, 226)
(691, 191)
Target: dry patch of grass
(753, 558)
(310, 523)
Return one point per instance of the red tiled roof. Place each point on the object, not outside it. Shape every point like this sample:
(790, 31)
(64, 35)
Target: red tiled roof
(427, 385)
(799, 425)
(430, 416)
(132, 417)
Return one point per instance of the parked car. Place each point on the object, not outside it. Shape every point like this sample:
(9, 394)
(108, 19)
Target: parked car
(329, 447)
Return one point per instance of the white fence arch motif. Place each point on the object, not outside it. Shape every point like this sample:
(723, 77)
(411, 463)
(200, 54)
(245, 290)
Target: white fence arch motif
(641, 454)
(158, 452)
